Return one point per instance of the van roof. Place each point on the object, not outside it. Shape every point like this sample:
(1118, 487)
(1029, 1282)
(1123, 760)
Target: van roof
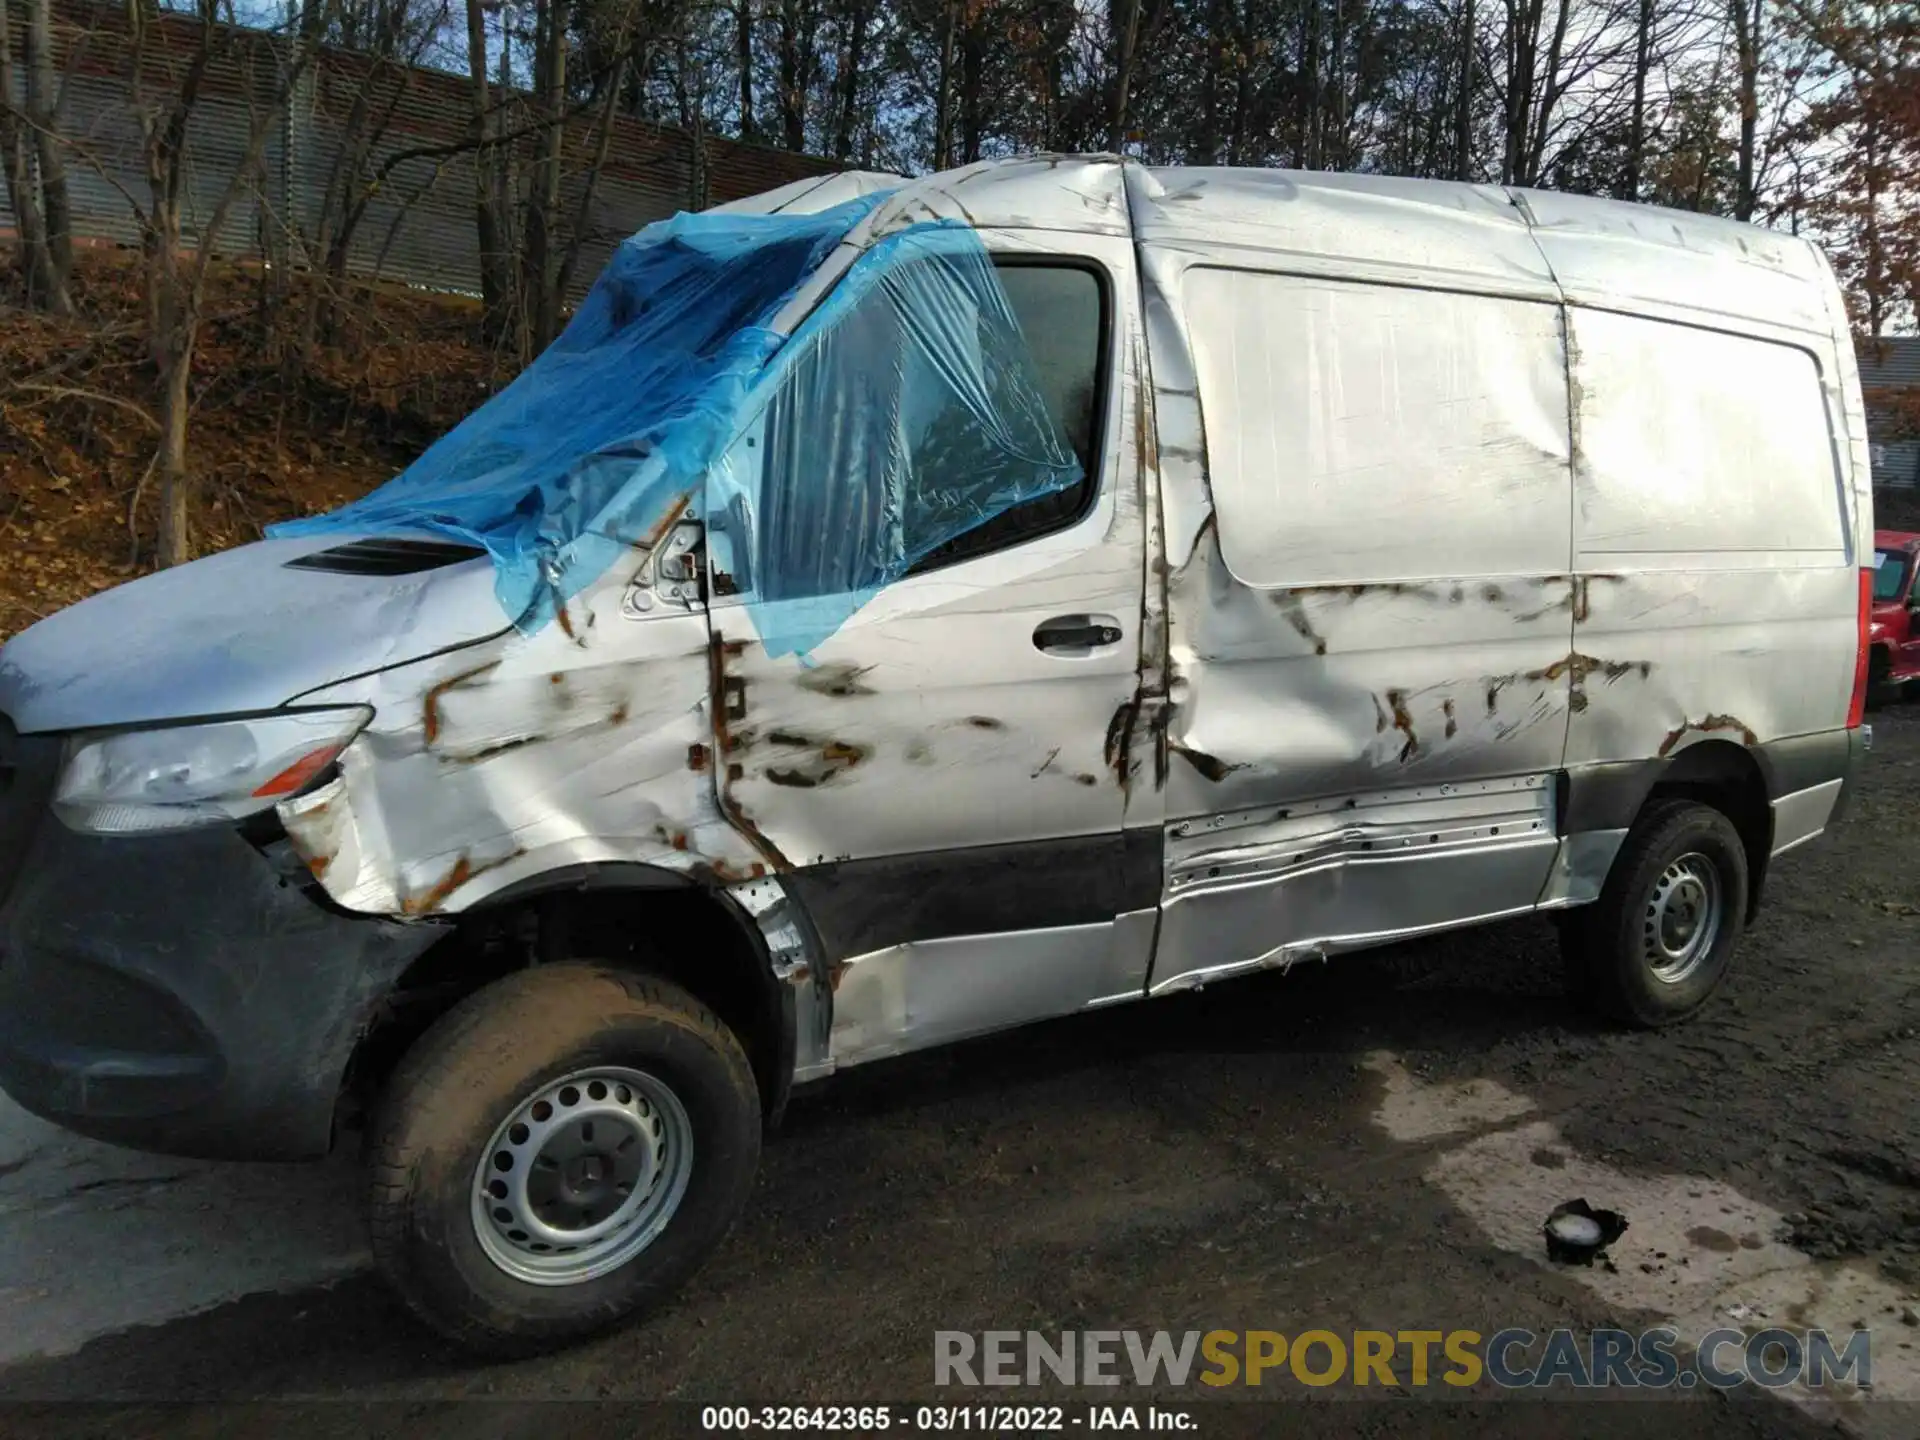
(1436, 232)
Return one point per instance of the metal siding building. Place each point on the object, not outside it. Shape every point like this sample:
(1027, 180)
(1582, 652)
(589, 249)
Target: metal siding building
(418, 224)
(1891, 363)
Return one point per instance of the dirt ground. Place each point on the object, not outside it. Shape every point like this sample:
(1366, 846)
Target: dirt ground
(1367, 1144)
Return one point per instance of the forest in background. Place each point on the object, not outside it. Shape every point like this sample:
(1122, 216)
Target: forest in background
(303, 380)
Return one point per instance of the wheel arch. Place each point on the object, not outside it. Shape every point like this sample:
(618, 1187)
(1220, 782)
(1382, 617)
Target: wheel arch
(639, 917)
(1734, 780)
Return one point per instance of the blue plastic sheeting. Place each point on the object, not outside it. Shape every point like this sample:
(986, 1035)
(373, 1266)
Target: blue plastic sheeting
(902, 414)
(596, 441)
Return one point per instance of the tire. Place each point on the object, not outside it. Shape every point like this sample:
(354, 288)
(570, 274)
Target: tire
(469, 1094)
(1680, 857)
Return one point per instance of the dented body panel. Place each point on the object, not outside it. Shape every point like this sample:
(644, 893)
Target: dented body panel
(1427, 528)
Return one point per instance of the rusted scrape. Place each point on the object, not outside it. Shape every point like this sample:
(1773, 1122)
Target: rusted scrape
(985, 722)
(463, 871)
(1295, 612)
(665, 523)
(836, 756)
(1453, 726)
(727, 697)
(1118, 746)
(838, 680)
(430, 710)
(1403, 722)
(719, 872)
(501, 747)
(697, 758)
(1711, 723)
(1209, 766)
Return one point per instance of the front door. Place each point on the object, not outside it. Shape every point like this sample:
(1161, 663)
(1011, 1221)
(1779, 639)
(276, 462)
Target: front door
(932, 776)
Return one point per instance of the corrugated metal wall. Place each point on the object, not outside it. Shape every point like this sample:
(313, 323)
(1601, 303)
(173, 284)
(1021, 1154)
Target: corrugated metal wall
(418, 224)
(1890, 363)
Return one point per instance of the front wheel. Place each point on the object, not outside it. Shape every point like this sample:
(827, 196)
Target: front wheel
(558, 1153)
(1657, 942)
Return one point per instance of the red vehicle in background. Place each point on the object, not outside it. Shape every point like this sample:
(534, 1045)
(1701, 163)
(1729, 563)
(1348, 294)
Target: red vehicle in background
(1894, 630)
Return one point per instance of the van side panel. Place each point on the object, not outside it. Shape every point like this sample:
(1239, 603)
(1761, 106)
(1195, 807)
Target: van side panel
(1370, 638)
(1712, 540)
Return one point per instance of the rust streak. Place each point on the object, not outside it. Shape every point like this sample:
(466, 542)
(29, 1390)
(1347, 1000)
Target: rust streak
(463, 872)
(1711, 723)
(502, 747)
(837, 680)
(1211, 767)
(1403, 722)
(664, 524)
(718, 694)
(430, 711)
(1118, 746)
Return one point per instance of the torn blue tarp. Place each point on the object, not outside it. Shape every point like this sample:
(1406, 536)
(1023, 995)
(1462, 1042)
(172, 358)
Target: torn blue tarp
(901, 414)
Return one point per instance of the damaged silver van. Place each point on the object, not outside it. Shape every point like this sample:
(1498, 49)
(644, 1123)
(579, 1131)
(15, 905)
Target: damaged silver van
(899, 610)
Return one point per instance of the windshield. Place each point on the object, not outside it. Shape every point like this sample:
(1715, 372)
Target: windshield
(1888, 568)
(598, 440)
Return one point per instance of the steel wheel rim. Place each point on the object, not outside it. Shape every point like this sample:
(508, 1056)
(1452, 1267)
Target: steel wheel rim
(582, 1176)
(1682, 918)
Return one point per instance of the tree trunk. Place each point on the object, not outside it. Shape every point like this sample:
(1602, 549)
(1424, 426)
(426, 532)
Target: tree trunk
(176, 480)
(973, 47)
(543, 199)
(1746, 30)
(851, 54)
(1630, 179)
(42, 108)
(943, 99)
(1126, 41)
(1307, 100)
(44, 286)
(1463, 103)
(743, 62)
(489, 226)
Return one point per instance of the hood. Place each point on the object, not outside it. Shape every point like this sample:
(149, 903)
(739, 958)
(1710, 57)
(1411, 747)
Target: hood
(247, 630)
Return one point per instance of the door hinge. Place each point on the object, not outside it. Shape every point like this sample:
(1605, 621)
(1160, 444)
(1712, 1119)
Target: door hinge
(674, 575)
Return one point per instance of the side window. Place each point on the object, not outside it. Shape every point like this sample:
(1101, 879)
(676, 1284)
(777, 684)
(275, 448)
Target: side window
(1063, 315)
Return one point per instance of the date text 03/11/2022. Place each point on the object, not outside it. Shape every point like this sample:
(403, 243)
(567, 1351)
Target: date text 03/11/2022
(989, 1419)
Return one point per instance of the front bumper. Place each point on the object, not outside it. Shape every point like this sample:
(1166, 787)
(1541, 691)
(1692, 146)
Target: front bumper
(176, 992)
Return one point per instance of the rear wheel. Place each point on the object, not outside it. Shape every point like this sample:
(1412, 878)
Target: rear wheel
(1657, 942)
(559, 1152)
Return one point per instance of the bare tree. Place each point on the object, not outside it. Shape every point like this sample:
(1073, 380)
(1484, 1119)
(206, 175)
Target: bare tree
(32, 163)
(170, 64)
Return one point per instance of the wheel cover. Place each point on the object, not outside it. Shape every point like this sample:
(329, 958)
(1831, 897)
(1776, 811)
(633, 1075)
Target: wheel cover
(1682, 919)
(582, 1176)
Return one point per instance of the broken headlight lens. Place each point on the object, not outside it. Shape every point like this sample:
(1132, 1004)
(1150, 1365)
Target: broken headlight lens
(129, 781)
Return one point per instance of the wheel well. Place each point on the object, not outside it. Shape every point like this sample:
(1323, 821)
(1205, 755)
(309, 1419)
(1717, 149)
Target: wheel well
(1727, 777)
(685, 933)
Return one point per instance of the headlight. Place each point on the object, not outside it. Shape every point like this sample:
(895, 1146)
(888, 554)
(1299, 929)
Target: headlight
(185, 775)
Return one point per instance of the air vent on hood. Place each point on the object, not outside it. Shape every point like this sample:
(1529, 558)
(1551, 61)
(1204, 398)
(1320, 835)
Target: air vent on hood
(386, 557)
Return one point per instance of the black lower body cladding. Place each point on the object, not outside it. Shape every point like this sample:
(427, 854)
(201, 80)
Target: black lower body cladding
(176, 993)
